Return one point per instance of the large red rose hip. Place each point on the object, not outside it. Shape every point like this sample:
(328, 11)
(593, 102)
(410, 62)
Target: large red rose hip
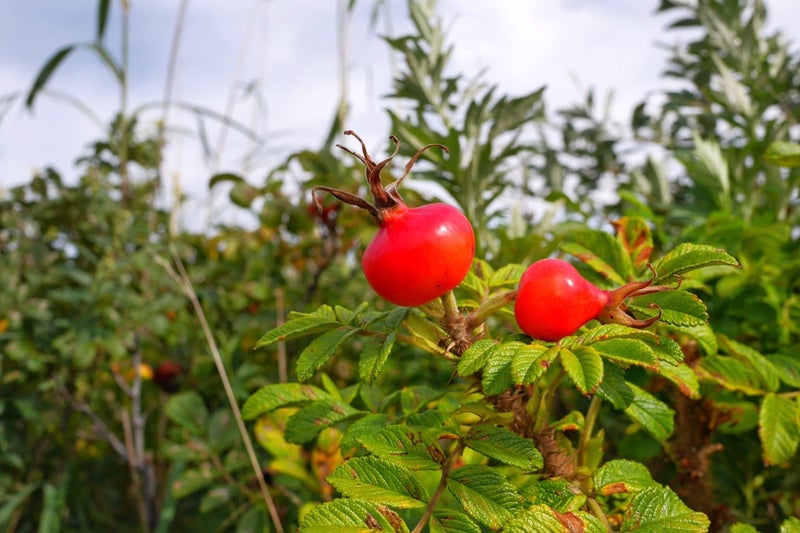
(418, 254)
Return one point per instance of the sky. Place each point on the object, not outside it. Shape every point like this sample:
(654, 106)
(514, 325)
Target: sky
(274, 65)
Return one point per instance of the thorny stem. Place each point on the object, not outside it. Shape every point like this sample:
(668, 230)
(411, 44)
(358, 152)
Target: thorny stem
(450, 305)
(446, 469)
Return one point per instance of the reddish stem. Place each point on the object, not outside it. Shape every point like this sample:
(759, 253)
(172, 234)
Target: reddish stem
(386, 200)
(615, 310)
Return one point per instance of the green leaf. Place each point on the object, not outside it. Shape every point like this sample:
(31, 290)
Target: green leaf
(366, 425)
(788, 369)
(610, 331)
(768, 374)
(108, 60)
(406, 446)
(659, 509)
(627, 352)
(559, 494)
(298, 327)
(351, 516)
(584, 366)
(305, 424)
(653, 415)
(622, 476)
(474, 358)
(790, 525)
(531, 361)
(684, 377)
(497, 375)
(504, 445)
(188, 410)
(224, 177)
(728, 372)
(678, 308)
(271, 397)
(614, 389)
(667, 350)
(53, 505)
(687, 257)
(44, 74)
(543, 519)
(447, 521)
(372, 479)
(485, 494)
(783, 154)
(373, 356)
(346, 316)
(320, 351)
(103, 8)
(705, 337)
(778, 428)
(634, 236)
(506, 275)
(602, 252)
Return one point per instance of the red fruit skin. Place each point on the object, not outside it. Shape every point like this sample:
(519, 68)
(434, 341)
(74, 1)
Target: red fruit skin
(554, 300)
(419, 253)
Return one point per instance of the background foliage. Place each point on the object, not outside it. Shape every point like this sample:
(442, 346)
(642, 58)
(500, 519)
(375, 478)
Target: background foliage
(111, 398)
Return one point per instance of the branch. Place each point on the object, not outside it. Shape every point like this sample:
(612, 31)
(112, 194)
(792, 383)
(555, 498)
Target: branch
(446, 469)
(98, 425)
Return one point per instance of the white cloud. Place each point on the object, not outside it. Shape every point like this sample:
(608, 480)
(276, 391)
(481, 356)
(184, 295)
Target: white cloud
(290, 50)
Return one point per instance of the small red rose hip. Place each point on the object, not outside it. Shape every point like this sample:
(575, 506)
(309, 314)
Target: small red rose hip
(553, 301)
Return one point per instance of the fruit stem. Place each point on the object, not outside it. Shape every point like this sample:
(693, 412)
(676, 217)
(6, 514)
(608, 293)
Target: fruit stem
(615, 310)
(385, 199)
